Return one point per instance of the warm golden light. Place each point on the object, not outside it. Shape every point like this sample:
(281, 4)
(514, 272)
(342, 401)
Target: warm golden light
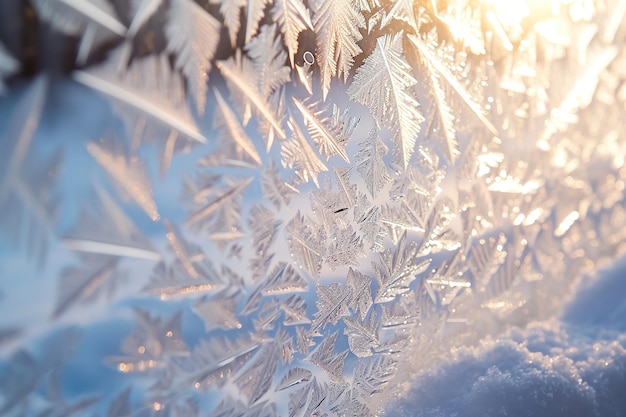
(512, 13)
(504, 21)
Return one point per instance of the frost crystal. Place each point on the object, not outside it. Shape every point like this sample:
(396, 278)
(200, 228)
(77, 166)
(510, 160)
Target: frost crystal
(384, 84)
(193, 35)
(337, 25)
(370, 165)
(298, 154)
(292, 17)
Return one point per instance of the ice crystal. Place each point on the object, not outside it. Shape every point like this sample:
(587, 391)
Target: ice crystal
(258, 378)
(397, 270)
(361, 292)
(292, 17)
(25, 373)
(295, 311)
(370, 165)
(236, 147)
(427, 54)
(268, 60)
(346, 249)
(337, 25)
(298, 155)
(267, 316)
(231, 12)
(242, 79)
(329, 361)
(332, 304)
(141, 12)
(373, 374)
(276, 190)
(193, 35)
(306, 244)
(362, 334)
(384, 84)
(331, 134)
(295, 376)
(440, 119)
(214, 362)
(150, 344)
(105, 229)
(284, 280)
(177, 281)
(263, 227)
(129, 175)
(217, 210)
(147, 104)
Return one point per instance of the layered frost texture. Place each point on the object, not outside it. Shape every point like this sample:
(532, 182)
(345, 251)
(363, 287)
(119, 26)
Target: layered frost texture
(296, 208)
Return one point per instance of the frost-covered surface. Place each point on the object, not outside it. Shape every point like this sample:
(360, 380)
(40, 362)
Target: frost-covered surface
(295, 207)
(571, 366)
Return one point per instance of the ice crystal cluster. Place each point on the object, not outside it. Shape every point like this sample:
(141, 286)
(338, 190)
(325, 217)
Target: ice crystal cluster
(291, 207)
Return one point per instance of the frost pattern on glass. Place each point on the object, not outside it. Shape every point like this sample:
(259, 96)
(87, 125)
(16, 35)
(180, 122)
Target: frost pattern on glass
(290, 201)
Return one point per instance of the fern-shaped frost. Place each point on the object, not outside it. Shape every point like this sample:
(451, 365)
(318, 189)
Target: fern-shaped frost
(128, 174)
(332, 304)
(363, 333)
(192, 35)
(150, 97)
(25, 201)
(372, 374)
(231, 12)
(141, 12)
(297, 154)
(153, 98)
(209, 208)
(346, 248)
(257, 379)
(254, 13)
(268, 60)
(71, 16)
(441, 120)
(337, 25)
(427, 54)
(397, 270)
(84, 283)
(284, 280)
(292, 17)
(361, 292)
(295, 311)
(242, 80)
(306, 244)
(234, 131)
(370, 164)
(331, 134)
(295, 376)
(214, 361)
(174, 281)
(325, 358)
(105, 229)
(275, 189)
(384, 84)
